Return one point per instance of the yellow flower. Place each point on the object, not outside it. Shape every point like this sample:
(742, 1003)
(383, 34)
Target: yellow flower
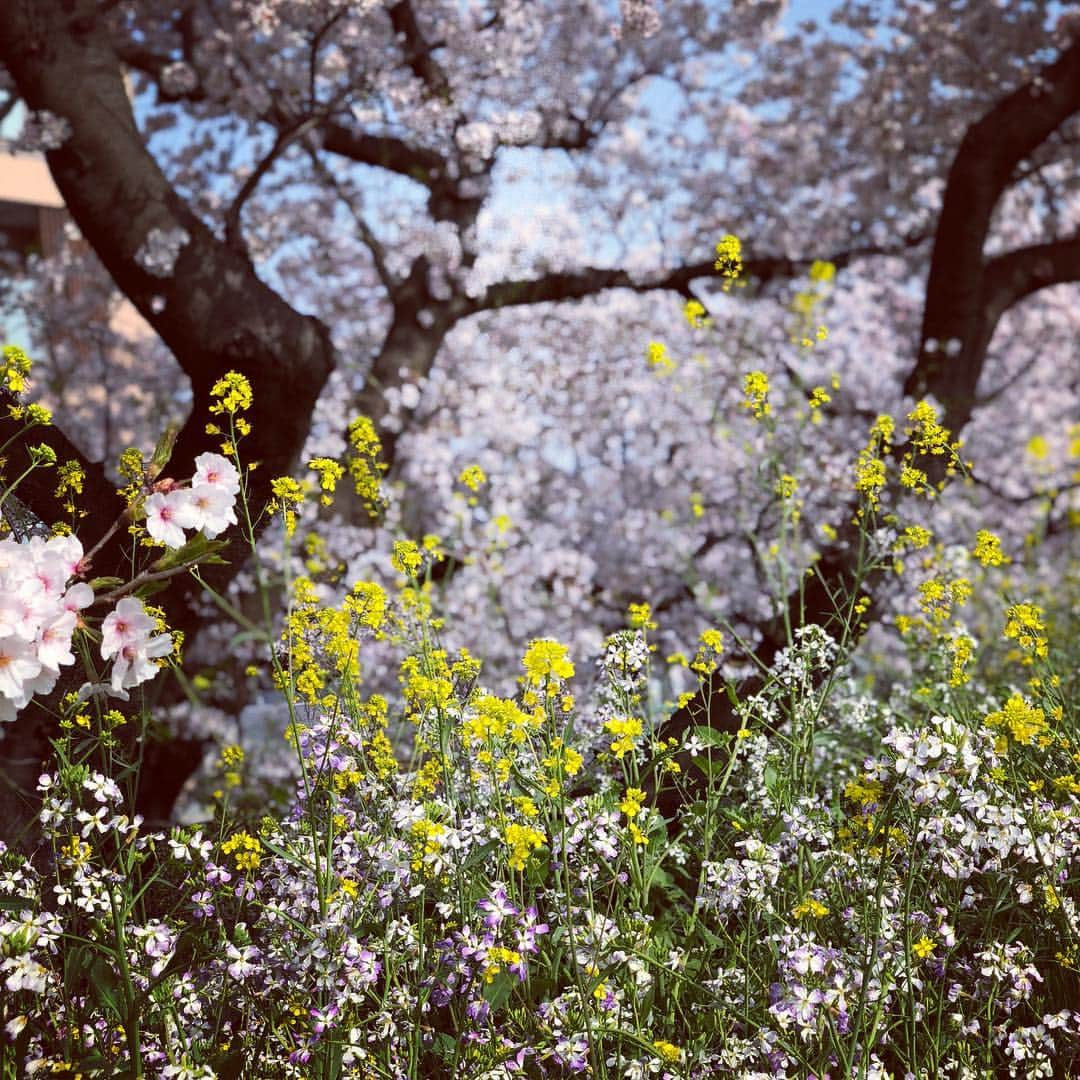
(546, 659)
(729, 260)
(668, 1052)
(16, 369)
(406, 558)
(810, 907)
(923, 948)
(658, 358)
(473, 477)
(756, 391)
(244, 849)
(962, 647)
(632, 802)
(786, 486)
(1023, 624)
(362, 458)
(329, 473)
(927, 435)
(233, 394)
(522, 840)
(694, 313)
(988, 549)
(640, 616)
(819, 396)
(232, 756)
(1038, 447)
(626, 730)
(1023, 721)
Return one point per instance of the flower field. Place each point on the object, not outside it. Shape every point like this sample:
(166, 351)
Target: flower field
(866, 872)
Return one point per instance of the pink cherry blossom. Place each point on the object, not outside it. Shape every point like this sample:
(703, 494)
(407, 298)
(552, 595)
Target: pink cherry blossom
(168, 515)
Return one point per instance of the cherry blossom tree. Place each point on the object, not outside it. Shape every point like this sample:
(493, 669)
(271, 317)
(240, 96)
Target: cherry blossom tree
(327, 198)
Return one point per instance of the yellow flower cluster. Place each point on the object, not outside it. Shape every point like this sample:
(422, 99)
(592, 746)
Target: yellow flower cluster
(473, 477)
(870, 467)
(288, 496)
(810, 907)
(232, 756)
(938, 597)
(926, 434)
(427, 682)
(232, 394)
(962, 648)
(626, 730)
(522, 840)
(544, 660)
(694, 313)
(710, 647)
(366, 603)
(321, 643)
(923, 948)
(329, 473)
(819, 397)
(426, 842)
(786, 486)
(640, 617)
(1023, 624)
(756, 394)
(406, 559)
(915, 537)
(668, 1052)
(658, 358)
(1022, 721)
(496, 959)
(16, 371)
(864, 791)
(495, 718)
(561, 762)
(362, 458)
(632, 802)
(729, 260)
(244, 848)
(988, 549)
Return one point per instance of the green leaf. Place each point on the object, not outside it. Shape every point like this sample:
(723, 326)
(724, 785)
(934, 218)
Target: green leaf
(104, 584)
(445, 1046)
(497, 992)
(16, 903)
(105, 987)
(709, 768)
(197, 549)
(770, 776)
(711, 737)
(163, 451)
(480, 854)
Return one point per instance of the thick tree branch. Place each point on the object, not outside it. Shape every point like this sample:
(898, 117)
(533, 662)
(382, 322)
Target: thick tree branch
(965, 298)
(418, 51)
(964, 293)
(1011, 277)
(202, 298)
(588, 281)
(382, 151)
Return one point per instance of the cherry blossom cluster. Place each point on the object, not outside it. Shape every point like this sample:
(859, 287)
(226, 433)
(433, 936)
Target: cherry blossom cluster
(40, 610)
(208, 505)
(41, 600)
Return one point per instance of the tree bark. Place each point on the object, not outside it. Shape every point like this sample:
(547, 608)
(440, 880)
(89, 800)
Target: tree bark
(966, 295)
(208, 306)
